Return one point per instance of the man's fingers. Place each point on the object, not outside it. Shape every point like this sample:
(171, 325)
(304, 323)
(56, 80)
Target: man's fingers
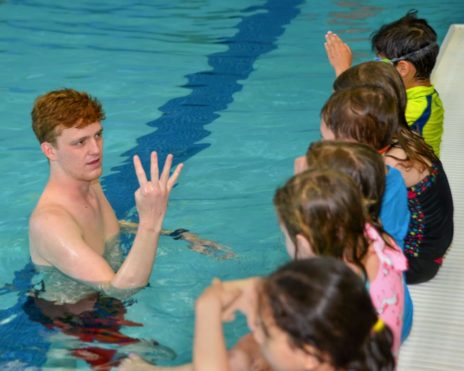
(154, 171)
(139, 172)
(173, 179)
(164, 179)
(167, 167)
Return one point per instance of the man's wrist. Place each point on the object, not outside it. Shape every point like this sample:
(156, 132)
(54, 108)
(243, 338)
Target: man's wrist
(149, 227)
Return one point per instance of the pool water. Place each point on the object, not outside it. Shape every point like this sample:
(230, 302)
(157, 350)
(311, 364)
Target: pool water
(232, 89)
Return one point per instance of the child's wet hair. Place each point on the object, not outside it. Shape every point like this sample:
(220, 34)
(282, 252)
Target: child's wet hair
(326, 208)
(408, 38)
(360, 162)
(379, 75)
(365, 114)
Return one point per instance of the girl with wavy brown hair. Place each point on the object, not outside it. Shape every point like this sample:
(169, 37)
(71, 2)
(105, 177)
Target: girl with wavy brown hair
(373, 121)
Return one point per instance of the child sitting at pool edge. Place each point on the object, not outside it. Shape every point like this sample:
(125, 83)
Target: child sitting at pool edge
(410, 44)
(311, 314)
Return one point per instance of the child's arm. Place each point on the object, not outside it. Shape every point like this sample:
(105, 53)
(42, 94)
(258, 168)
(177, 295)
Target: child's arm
(339, 53)
(209, 350)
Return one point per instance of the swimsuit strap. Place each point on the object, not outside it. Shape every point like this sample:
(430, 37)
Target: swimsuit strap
(390, 255)
(385, 149)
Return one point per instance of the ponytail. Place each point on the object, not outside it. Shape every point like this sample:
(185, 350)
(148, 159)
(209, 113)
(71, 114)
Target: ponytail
(376, 354)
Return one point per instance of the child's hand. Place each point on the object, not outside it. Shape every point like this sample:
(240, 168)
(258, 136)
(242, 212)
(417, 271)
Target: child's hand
(217, 298)
(300, 165)
(246, 302)
(339, 53)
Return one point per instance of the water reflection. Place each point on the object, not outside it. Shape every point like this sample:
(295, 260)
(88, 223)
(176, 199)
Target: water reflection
(351, 22)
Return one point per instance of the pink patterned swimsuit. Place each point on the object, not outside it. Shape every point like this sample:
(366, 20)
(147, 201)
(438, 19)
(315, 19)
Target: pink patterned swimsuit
(387, 290)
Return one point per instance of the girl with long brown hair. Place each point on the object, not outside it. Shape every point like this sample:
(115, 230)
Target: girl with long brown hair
(367, 168)
(380, 123)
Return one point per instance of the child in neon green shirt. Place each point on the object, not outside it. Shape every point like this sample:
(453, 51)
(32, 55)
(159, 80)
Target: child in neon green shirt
(424, 113)
(411, 45)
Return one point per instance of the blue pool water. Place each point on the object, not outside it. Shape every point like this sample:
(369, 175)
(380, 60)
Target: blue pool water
(232, 89)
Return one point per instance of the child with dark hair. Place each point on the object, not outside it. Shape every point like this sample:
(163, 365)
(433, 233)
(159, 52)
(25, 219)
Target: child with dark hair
(313, 314)
(410, 44)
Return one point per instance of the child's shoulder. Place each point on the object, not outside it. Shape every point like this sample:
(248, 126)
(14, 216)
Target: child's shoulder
(420, 92)
(419, 98)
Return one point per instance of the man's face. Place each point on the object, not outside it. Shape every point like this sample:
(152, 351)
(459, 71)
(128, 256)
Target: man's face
(78, 152)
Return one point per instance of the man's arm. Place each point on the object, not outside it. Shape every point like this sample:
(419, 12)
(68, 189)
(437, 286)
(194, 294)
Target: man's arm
(195, 242)
(59, 240)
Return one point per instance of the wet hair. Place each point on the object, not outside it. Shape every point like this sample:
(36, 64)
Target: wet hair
(66, 108)
(360, 162)
(365, 114)
(385, 76)
(325, 207)
(408, 38)
(322, 303)
(378, 74)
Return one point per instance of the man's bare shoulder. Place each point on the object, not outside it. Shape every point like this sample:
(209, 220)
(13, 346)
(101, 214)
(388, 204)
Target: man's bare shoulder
(59, 206)
(51, 226)
(48, 216)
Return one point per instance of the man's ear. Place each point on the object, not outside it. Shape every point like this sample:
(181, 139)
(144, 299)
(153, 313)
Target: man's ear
(49, 150)
(304, 247)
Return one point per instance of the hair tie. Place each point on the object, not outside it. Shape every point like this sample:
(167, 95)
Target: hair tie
(383, 150)
(378, 326)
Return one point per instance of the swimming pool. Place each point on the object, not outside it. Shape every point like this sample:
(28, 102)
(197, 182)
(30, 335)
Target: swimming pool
(233, 90)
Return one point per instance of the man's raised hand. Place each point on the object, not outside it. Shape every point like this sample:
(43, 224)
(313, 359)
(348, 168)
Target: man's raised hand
(151, 198)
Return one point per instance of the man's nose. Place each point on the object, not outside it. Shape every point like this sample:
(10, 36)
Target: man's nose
(95, 145)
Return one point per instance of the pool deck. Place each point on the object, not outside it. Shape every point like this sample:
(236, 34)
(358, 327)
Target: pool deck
(437, 338)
